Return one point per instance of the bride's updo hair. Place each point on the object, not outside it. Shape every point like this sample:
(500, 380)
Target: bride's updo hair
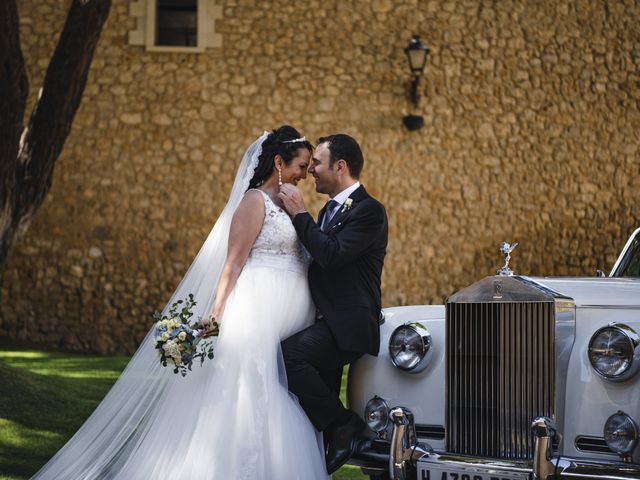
(278, 142)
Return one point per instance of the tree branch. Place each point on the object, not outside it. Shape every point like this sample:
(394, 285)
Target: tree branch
(57, 104)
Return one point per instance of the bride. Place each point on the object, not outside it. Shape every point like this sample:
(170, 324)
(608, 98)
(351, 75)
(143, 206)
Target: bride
(232, 418)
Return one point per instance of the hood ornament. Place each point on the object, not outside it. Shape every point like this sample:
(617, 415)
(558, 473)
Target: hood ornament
(506, 250)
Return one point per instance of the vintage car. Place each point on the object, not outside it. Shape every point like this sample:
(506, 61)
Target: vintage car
(514, 378)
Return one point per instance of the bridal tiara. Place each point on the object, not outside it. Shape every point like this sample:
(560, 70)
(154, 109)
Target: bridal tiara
(295, 140)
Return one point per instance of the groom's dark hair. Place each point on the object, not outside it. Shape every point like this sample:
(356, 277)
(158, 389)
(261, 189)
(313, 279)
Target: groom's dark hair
(343, 147)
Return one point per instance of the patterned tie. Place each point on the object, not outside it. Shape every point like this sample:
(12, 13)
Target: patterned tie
(328, 213)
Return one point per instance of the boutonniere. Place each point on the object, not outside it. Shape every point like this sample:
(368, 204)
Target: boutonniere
(348, 205)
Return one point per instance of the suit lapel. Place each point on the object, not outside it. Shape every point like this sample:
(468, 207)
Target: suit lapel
(358, 194)
(321, 215)
(340, 213)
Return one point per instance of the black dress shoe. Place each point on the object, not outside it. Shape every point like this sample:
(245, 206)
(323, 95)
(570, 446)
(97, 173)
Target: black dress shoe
(342, 442)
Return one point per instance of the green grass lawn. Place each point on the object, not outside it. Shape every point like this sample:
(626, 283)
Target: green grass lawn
(45, 398)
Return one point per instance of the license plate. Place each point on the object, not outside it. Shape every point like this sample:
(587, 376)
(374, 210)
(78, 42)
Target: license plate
(429, 471)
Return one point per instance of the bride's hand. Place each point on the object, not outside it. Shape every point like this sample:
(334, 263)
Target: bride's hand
(207, 326)
(292, 200)
(210, 320)
(216, 313)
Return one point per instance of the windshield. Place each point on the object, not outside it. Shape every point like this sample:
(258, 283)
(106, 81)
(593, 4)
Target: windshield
(630, 264)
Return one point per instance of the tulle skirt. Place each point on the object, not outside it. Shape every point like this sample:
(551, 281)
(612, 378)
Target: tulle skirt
(232, 418)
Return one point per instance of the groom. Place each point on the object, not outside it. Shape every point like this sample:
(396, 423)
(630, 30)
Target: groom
(348, 246)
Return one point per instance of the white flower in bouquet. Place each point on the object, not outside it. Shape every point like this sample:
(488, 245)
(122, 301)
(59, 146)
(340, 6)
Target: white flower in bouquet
(172, 349)
(177, 341)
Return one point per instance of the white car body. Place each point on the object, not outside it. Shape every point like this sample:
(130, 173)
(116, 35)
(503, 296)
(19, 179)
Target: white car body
(584, 400)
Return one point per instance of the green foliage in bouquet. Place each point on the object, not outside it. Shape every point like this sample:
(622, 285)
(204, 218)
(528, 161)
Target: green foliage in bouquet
(177, 340)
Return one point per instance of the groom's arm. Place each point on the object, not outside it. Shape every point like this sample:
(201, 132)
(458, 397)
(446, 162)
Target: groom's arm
(359, 231)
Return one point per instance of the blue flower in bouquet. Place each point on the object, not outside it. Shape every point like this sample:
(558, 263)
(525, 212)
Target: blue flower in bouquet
(177, 340)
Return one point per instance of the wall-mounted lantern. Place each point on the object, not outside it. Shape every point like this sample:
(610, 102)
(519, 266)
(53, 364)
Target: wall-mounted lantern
(417, 53)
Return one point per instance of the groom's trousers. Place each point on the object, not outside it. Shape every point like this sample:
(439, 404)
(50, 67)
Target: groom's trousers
(314, 367)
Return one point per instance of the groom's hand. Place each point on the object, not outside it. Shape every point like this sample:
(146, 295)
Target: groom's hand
(291, 199)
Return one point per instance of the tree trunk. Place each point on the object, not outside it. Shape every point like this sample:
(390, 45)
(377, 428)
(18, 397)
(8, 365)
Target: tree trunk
(27, 158)
(14, 88)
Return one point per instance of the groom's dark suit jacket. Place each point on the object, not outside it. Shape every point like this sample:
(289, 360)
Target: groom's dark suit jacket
(346, 271)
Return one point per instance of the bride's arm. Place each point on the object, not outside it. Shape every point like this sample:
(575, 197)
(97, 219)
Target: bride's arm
(245, 227)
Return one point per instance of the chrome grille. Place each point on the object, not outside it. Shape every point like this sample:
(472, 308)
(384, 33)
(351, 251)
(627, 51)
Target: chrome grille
(500, 375)
(586, 443)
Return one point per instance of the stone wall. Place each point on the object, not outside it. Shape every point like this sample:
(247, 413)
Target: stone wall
(532, 114)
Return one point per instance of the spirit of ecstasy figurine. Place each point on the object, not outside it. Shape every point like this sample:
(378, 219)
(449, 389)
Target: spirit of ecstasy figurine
(506, 250)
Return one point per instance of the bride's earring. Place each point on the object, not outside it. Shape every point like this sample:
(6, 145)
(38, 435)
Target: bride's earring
(279, 177)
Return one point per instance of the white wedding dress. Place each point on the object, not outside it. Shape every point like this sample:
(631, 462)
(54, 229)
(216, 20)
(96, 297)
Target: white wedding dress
(250, 426)
(231, 419)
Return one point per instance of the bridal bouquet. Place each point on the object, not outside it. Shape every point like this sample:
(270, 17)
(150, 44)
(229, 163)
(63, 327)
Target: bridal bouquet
(177, 340)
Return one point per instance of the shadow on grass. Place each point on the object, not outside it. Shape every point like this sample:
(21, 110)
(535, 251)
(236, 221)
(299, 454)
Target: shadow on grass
(46, 398)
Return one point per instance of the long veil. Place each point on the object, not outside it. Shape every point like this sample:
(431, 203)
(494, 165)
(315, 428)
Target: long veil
(130, 411)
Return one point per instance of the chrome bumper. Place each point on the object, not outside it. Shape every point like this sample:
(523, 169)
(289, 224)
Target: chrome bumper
(400, 459)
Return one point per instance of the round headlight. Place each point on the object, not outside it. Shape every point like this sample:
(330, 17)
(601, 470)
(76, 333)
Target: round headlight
(614, 352)
(376, 414)
(410, 349)
(621, 433)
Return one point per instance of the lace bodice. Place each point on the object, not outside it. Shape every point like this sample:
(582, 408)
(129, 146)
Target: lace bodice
(277, 244)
